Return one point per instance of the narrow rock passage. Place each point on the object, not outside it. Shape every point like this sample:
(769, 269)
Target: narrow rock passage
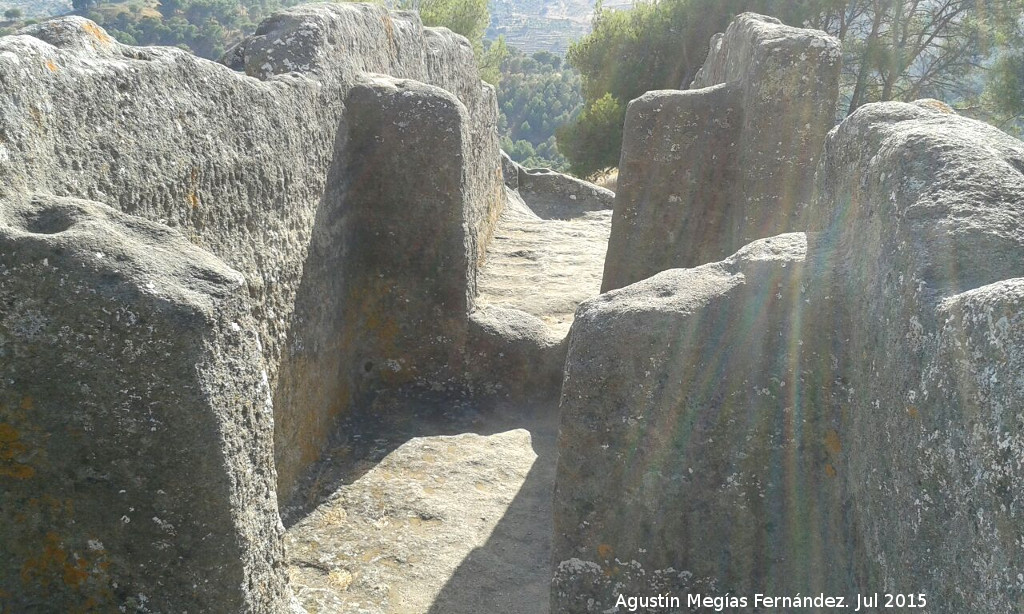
(429, 508)
(545, 267)
(426, 506)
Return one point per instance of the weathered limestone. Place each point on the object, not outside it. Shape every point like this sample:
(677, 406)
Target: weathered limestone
(136, 453)
(553, 195)
(512, 354)
(850, 416)
(243, 167)
(705, 171)
(688, 461)
(427, 529)
(259, 172)
(543, 261)
(922, 220)
(407, 258)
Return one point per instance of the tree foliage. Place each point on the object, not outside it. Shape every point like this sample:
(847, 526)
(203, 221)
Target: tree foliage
(910, 49)
(966, 52)
(536, 95)
(205, 27)
(466, 17)
(491, 60)
(592, 143)
(656, 45)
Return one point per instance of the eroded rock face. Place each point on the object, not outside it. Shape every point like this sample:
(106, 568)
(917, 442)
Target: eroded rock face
(850, 415)
(136, 426)
(553, 195)
(705, 171)
(256, 179)
(923, 226)
(246, 168)
(408, 258)
(680, 452)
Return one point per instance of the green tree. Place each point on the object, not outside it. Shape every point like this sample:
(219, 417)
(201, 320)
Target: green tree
(592, 143)
(1003, 101)
(910, 49)
(536, 95)
(12, 14)
(965, 52)
(494, 54)
(83, 5)
(466, 17)
(656, 45)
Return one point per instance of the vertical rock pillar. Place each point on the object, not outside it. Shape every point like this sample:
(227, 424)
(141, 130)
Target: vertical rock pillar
(705, 171)
(136, 466)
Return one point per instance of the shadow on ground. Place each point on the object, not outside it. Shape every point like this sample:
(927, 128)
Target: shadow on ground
(509, 573)
(503, 575)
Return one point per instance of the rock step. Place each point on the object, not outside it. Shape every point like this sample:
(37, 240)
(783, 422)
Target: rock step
(545, 267)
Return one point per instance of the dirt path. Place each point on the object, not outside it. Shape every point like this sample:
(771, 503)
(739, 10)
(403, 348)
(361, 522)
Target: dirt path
(407, 519)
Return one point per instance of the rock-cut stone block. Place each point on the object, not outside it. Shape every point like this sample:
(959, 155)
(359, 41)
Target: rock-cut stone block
(689, 461)
(136, 462)
(409, 257)
(706, 171)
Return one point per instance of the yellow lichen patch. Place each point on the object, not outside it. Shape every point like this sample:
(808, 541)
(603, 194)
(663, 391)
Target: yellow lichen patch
(339, 578)
(11, 447)
(604, 552)
(17, 471)
(75, 572)
(40, 567)
(56, 569)
(389, 29)
(335, 516)
(27, 403)
(912, 412)
(832, 443)
(8, 434)
(193, 200)
(51, 65)
(935, 105)
(830, 471)
(97, 33)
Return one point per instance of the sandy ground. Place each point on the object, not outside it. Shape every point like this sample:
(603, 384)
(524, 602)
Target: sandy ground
(404, 518)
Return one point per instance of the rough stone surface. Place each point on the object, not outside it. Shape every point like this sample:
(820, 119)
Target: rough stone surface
(509, 171)
(163, 135)
(922, 220)
(553, 195)
(868, 435)
(704, 172)
(514, 355)
(262, 171)
(680, 452)
(408, 256)
(136, 466)
(536, 273)
(544, 267)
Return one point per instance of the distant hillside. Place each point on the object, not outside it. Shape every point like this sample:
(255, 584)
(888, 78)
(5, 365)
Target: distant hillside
(206, 27)
(37, 9)
(540, 25)
(528, 25)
